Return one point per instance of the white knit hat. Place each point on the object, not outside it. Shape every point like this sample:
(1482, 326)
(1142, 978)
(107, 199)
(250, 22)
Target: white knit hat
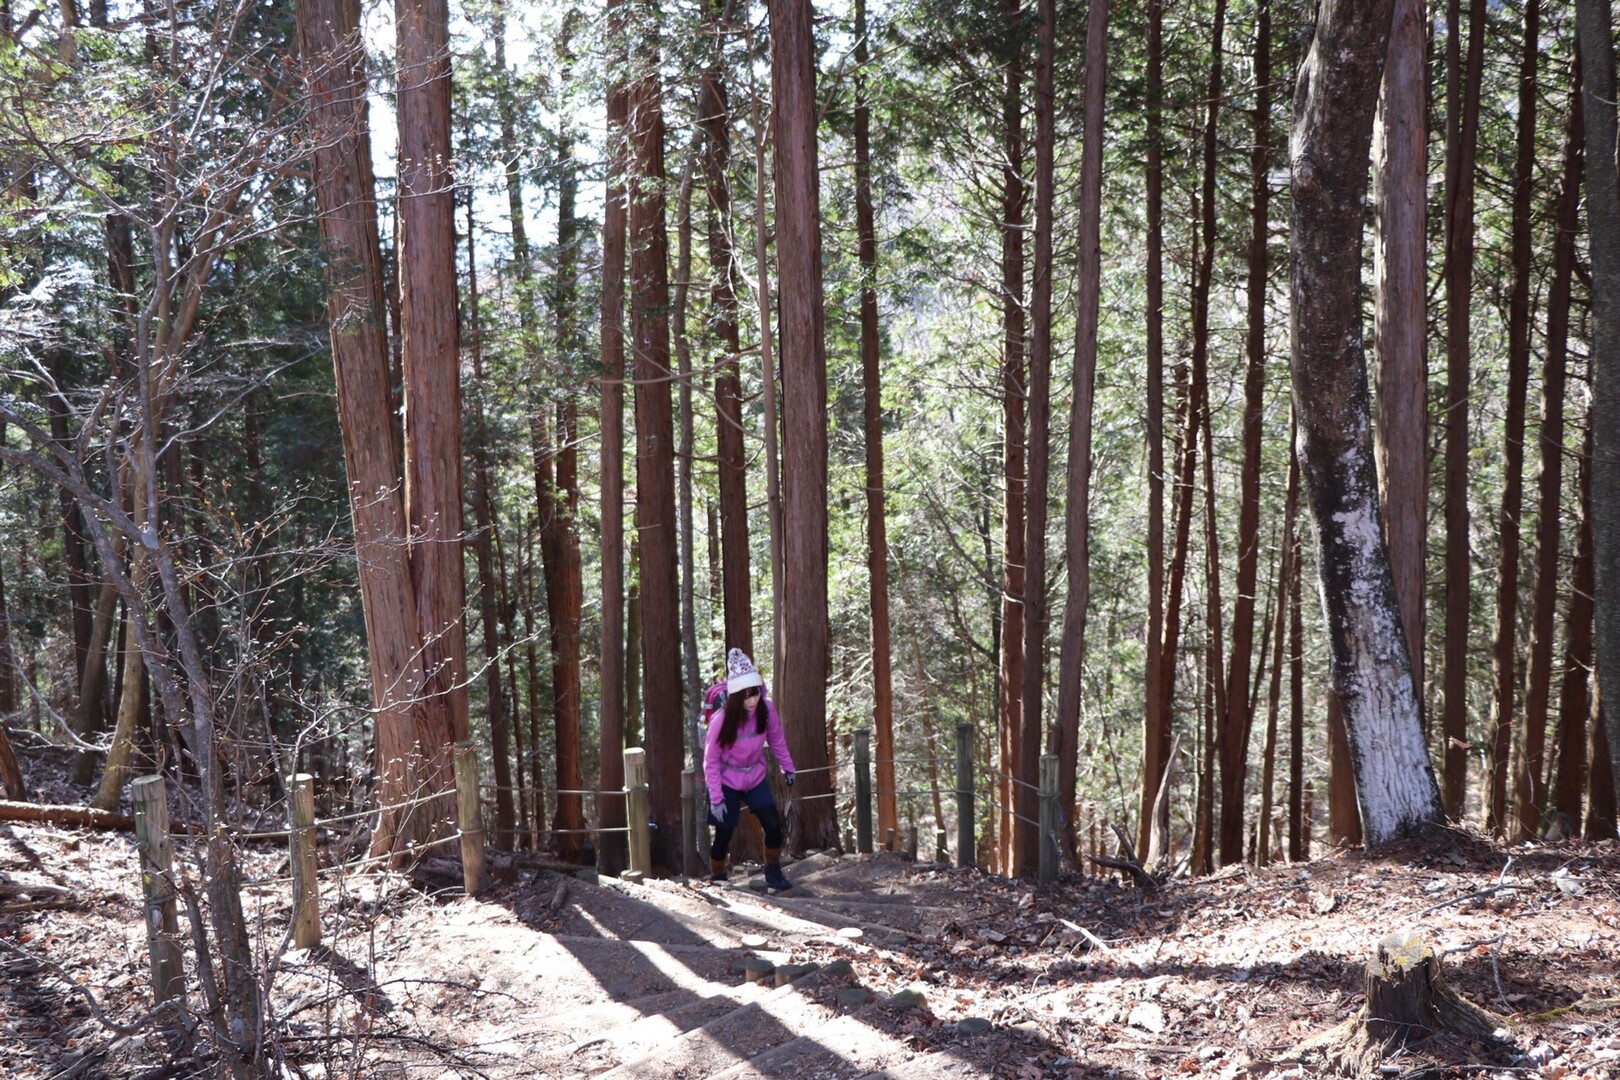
(740, 673)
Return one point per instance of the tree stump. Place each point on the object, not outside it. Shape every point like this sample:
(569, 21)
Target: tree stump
(1408, 1003)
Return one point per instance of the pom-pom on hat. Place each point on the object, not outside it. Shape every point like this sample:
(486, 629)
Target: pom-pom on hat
(740, 673)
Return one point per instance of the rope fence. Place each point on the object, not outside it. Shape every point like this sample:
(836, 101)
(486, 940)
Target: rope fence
(998, 774)
(466, 829)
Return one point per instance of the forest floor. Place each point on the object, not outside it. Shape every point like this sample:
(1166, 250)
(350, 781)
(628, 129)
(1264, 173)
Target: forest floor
(556, 976)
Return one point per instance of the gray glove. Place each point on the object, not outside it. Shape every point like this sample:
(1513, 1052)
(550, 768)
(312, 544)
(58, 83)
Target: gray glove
(718, 809)
(787, 778)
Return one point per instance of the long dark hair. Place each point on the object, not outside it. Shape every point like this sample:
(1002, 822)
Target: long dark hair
(737, 712)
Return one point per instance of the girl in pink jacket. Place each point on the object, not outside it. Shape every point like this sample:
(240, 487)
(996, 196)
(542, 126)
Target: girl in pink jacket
(734, 766)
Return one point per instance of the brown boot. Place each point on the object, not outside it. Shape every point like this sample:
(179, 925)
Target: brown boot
(774, 879)
(717, 869)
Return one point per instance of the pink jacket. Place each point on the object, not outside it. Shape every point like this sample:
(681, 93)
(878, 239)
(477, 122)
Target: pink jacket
(741, 765)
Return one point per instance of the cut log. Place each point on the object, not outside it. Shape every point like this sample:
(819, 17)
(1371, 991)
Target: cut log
(1408, 1004)
(84, 816)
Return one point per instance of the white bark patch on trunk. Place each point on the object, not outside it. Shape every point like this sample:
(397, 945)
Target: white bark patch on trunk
(1380, 704)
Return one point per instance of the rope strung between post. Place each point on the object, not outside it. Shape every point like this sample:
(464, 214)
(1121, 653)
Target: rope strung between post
(612, 792)
(1007, 777)
(911, 794)
(1013, 813)
(342, 869)
(323, 823)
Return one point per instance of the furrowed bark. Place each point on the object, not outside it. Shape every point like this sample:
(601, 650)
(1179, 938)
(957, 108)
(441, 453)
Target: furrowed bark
(1550, 484)
(1531, 745)
(430, 355)
(612, 853)
(1372, 676)
(1462, 96)
(1595, 31)
(1400, 192)
(1014, 197)
(1026, 835)
(329, 37)
(803, 672)
(1155, 732)
(1077, 524)
(714, 117)
(877, 542)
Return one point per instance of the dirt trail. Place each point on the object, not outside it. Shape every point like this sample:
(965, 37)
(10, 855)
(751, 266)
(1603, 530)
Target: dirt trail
(953, 973)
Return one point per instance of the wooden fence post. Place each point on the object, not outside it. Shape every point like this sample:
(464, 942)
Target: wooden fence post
(964, 795)
(471, 818)
(162, 920)
(1049, 814)
(863, 791)
(693, 819)
(635, 812)
(911, 841)
(942, 853)
(306, 889)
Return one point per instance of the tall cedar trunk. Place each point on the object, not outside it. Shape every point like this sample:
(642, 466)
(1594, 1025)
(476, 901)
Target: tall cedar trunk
(1287, 555)
(564, 599)
(1155, 729)
(1077, 498)
(506, 589)
(803, 674)
(1400, 195)
(1201, 347)
(1603, 224)
(1026, 799)
(11, 780)
(511, 151)
(430, 360)
(1575, 704)
(767, 359)
(1504, 655)
(877, 541)
(1198, 418)
(1239, 718)
(1344, 816)
(1462, 127)
(91, 707)
(1299, 836)
(1372, 678)
(531, 626)
(565, 586)
(634, 717)
(1181, 541)
(714, 117)
(1550, 483)
(1215, 689)
(662, 735)
(1600, 788)
(691, 686)
(1010, 662)
(483, 503)
(8, 661)
(611, 851)
(329, 41)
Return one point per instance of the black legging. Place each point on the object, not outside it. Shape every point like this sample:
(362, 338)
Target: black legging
(769, 820)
